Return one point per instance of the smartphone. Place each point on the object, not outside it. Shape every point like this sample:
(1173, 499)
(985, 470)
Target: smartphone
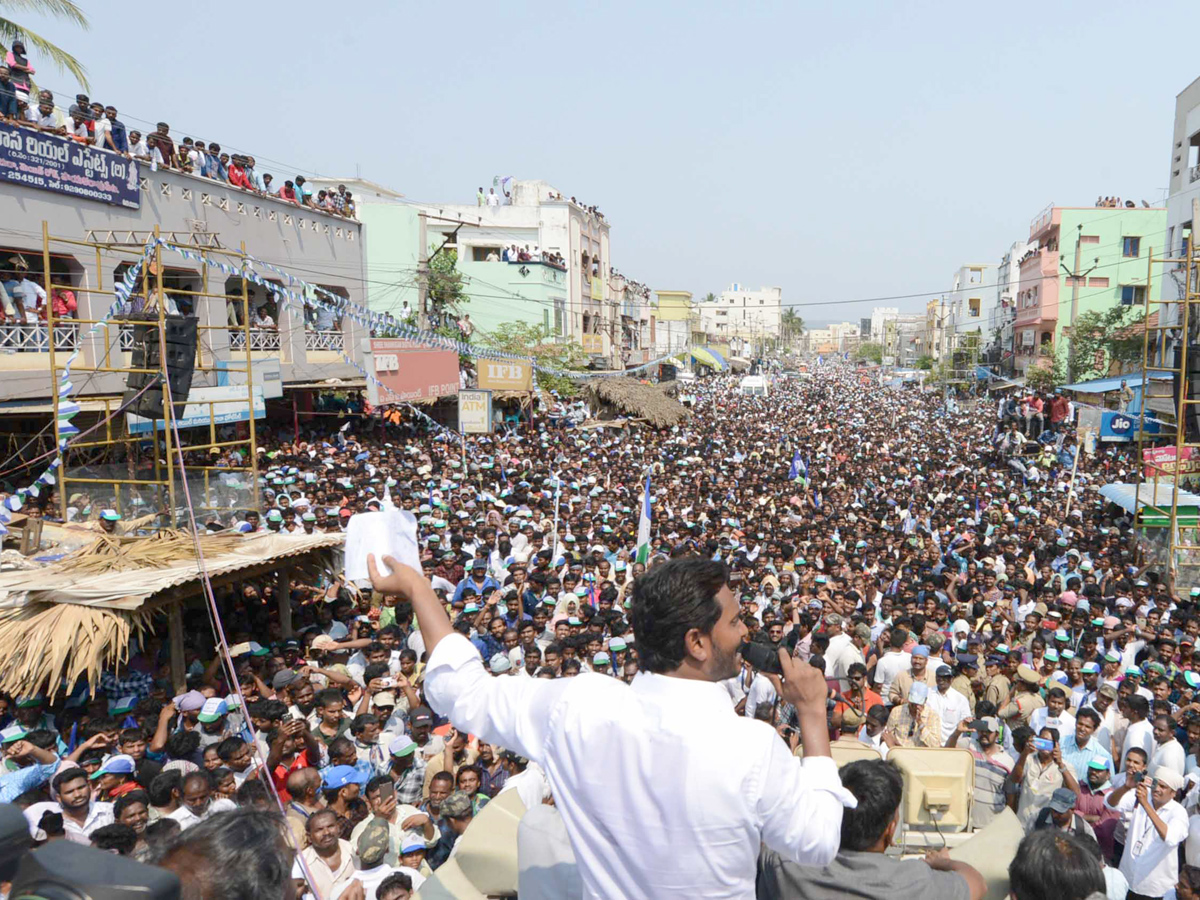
(386, 790)
(287, 717)
(1045, 745)
(388, 682)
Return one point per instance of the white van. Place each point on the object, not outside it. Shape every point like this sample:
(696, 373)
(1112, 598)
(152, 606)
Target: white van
(685, 376)
(754, 386)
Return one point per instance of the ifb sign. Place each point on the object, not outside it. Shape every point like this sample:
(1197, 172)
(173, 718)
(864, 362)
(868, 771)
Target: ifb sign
(474, 412)
(505, 376)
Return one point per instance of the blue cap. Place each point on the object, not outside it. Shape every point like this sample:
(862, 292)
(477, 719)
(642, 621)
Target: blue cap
(340, 776)
(920, 650)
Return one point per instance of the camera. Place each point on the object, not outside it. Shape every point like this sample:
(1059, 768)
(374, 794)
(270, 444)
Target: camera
(1137, 778)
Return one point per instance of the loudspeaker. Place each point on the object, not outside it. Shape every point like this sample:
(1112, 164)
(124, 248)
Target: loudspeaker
(180, 341)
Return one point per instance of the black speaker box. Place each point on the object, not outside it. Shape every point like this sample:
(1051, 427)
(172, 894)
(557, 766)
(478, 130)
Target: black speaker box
(180, 344)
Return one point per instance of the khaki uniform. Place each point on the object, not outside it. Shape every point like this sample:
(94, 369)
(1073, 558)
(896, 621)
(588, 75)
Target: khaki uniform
(996, 689)
(963, 685)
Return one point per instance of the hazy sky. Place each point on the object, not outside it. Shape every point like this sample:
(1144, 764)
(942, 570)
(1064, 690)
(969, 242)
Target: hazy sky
(844, 152)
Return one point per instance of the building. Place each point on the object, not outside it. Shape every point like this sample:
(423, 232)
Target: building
(1183, 191)
(674, 323)
(1113, 250)
(904, 340)
(998, 348)
(840, 337)
(310, 244)
(935, 318)
(970, 305)
(743, 317)
(880, 316)
(538, 259)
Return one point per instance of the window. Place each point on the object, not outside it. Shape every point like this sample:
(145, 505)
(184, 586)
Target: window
(973, 306)
(761, 302)
(1131, 246)
(480, 254)
(1133, 295)
(976, 276)
(1097, 282)
(1089, 239)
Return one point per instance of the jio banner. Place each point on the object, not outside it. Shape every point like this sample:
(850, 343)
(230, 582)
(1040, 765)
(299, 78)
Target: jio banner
(54, 163)
(505, 376)
(411, 371)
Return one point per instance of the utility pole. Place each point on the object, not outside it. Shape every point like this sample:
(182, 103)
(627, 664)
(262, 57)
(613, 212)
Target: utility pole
(422, 274)
(1075, 279)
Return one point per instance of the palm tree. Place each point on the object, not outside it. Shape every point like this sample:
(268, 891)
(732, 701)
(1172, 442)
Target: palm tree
(710, 297)
(62, 9)
(792, 324)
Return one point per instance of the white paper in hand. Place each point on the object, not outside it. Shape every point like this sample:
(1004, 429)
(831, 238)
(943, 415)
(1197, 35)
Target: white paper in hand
(392, 532)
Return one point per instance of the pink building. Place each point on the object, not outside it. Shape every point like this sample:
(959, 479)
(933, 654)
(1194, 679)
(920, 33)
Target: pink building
(1037, 291)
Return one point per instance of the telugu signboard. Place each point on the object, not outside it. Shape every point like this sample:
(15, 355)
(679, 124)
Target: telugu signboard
(267, 375)
(54, 163)
(1161, 462)
(593, 344)
(474, 412)
(410, 371)
(505, 376)
(228, 405)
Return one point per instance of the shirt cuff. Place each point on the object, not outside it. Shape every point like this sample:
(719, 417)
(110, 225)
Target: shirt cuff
(825, 777)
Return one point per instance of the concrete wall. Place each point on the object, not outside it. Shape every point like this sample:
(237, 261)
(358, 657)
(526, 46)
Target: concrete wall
(320, 248)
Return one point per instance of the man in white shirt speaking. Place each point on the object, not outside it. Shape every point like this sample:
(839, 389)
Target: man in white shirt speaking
(664, 790)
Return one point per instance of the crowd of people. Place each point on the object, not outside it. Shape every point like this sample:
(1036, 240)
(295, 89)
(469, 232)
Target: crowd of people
(96, 124)
(948, 598)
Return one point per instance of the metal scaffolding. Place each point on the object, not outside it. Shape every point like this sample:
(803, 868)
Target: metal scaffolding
(151, 496)
(1165, 517)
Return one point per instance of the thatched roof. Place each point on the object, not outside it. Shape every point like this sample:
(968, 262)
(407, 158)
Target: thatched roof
(73, 619)
(630, 397)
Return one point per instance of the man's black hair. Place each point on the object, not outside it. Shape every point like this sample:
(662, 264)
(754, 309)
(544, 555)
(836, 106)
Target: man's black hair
(878, 786)
(670, 600)
(1054, 865)
(164, 785)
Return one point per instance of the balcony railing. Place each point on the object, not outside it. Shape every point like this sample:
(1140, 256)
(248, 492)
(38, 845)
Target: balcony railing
(16, 338)
(1193, 174)
(324, 340)
(261, 339)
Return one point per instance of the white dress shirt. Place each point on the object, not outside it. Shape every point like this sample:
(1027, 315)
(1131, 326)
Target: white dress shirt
(1170, 754)
(1138, 734)
(99, 815)
(687, 791)
(951, 707)
(1151, 864)
(186, 818)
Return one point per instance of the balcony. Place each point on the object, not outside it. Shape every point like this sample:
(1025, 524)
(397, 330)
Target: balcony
(16, 338)
(1193, 174)
(262, 340)
(324, 340)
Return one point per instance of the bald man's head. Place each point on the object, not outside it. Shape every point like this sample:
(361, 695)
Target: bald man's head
(305, 784)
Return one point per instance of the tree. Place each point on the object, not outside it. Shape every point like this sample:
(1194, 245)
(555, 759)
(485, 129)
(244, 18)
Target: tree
(791, 325)
(445, 285)
(1049, 375)
(1100, 339)
(535, 341)
(10, 31)
(710, 297)
(925, 362)
(870, 350)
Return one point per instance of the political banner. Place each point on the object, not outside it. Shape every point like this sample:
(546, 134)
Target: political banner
(52, 163)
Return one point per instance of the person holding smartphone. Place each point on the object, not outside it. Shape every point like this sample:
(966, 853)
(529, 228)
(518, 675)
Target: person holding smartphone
(1155, 825)
(1040, 771)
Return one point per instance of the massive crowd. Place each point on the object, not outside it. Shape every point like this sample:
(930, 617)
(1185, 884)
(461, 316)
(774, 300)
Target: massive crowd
(956, 587)
(96, 124)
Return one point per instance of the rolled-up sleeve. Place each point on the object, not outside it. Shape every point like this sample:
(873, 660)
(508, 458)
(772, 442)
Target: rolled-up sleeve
(510, 711)
(14, 784)
(801, 806)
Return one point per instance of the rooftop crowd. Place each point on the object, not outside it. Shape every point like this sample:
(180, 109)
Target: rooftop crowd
(943, 578)
(98, 125)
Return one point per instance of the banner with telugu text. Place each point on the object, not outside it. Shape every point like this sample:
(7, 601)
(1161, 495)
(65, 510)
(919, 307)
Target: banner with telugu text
(52, 163)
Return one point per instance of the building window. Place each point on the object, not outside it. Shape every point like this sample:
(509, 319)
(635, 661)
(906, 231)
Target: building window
(1133, 295)
(976, 276)
(1097, 282)
(1089, 239)
(761, 302)
(1131, 246)
(973, 306)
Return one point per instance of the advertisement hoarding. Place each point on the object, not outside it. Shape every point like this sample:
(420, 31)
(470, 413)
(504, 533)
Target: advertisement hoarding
(52, 163)
(228, 405)
(474, 412)
(409, 371)
(505, 376)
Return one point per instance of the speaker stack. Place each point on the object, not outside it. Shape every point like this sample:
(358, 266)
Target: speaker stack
(180, 340)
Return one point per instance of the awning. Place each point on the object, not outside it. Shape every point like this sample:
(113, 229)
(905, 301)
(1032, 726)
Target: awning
(1156, 495)
(45, 407)
(1104, 385)
(708, 357)
(724, 362)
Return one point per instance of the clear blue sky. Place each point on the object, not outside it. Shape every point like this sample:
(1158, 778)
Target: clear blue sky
(840, 151)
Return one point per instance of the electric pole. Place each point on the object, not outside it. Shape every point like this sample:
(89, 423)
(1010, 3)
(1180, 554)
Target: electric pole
(1075, 279)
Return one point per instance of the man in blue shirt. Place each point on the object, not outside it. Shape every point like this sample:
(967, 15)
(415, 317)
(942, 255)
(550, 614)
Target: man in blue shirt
(1081, 747)
(119, 136)
(479, 581)
(44, 762)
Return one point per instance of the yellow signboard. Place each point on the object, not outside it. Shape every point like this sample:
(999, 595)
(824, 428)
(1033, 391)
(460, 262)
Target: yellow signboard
(505, 376)
(474, 412)
(593, 344)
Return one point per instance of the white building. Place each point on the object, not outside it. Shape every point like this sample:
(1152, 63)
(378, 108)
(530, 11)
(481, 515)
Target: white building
(880, 316)
(742, 313)
(998, 337)
(1184, 189)
(970, 303)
